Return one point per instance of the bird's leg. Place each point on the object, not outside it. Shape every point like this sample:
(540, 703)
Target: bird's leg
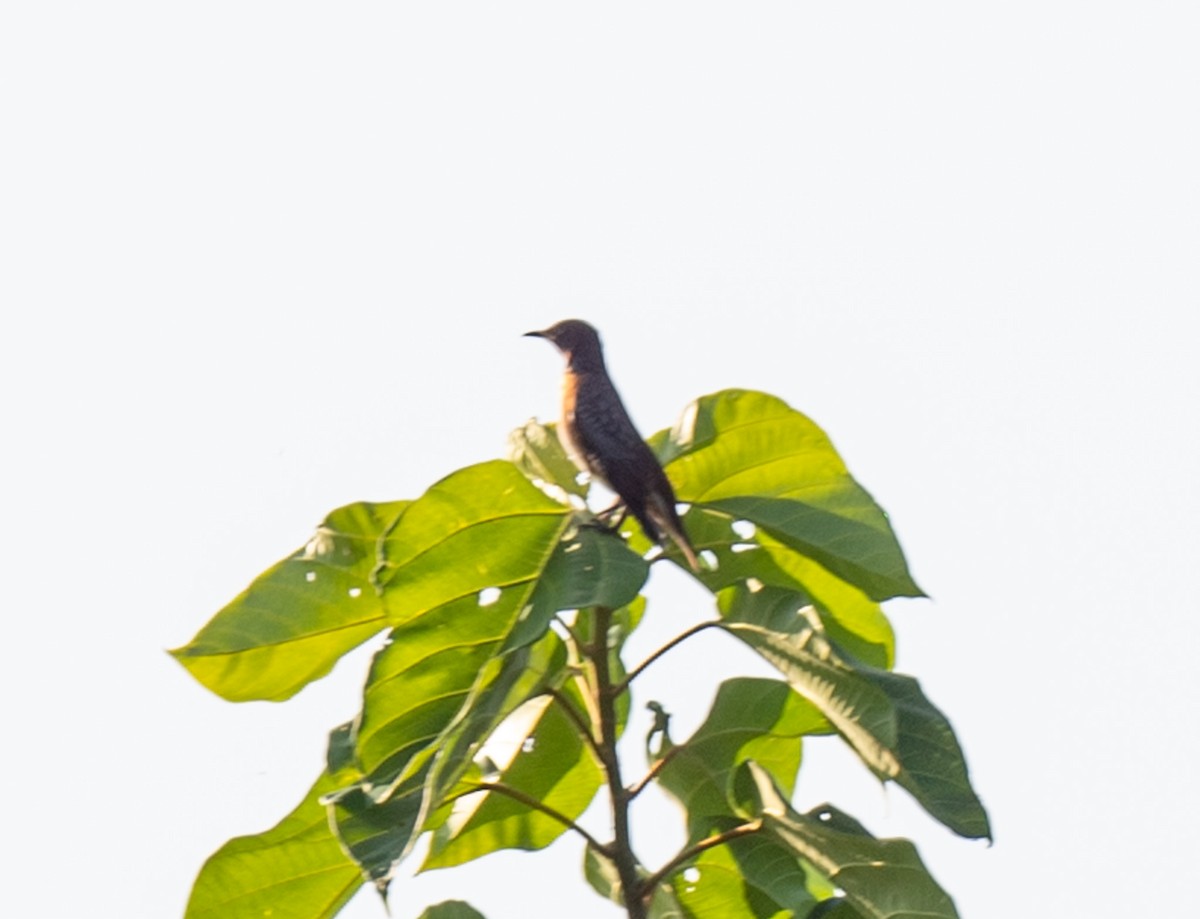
(618, 509)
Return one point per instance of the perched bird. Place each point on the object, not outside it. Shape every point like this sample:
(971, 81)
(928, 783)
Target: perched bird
(599, 436)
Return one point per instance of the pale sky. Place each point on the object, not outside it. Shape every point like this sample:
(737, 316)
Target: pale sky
(259, 260)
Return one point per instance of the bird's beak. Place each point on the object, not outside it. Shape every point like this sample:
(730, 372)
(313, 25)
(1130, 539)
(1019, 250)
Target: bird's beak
(534, 335)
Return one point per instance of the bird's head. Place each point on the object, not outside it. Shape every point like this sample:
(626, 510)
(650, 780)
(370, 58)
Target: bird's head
(577, 340)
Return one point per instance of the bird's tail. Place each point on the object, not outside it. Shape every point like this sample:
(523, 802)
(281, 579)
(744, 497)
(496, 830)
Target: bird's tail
(667, 521)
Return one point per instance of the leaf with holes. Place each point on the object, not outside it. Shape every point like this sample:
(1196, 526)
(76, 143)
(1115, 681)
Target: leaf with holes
(416, 761)
(751, 456)
(755, 719)
(881, 878)
(548, 761)
(743, 553)
(294, 622)
(536, 450)
(480, 529)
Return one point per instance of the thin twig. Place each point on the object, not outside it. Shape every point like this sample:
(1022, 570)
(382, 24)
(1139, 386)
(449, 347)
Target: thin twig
(681, 637)
(659, 764)
(517, 795)
(745, 829)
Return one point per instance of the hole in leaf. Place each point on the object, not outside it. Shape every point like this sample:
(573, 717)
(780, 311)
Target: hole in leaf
(691, 875)
(682, 508)
(754, 585)
(528, 744)
(321, 543)
(743, 546)
(488, 596)
(310, 576)
(574, 547)
(744, 529)
(710, 559)
(355, 592)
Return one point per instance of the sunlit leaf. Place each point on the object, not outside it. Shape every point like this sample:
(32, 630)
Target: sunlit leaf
(297, 870)
(851, 617)
(536, 450)
(753, 877)
(751, 456)
(482, 528)
(294, 622)
(881, 878)
(553, 765)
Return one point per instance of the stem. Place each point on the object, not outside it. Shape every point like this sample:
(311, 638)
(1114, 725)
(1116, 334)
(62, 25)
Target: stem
(678, 639)
(659, 764)
(528, 801)
(606, 696)
(745, 829)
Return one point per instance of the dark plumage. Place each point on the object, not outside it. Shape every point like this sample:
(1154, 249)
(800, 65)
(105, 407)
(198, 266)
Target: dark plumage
(598, 434)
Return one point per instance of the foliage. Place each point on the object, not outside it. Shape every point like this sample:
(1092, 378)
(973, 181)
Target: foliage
(505, 604)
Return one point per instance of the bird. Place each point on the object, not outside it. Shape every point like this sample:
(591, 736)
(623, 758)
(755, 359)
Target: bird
(599, 436)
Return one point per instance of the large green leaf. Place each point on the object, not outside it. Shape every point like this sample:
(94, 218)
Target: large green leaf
(788, 636)
(553, 765)
(750, 718)
(881, 878)
(754, 458)
(379, 818)
(294, 622)
(482, 528)
(753, 877)
(896, 731)
(740, 553)
(536, 450)
(297, 870)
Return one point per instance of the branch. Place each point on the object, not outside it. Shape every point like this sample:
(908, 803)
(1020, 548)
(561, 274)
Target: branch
(529, 801)
(622, 850)
(745, 829)
(678, 639)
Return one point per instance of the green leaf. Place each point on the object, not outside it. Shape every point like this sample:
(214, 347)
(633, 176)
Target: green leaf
(552, 764)
(751, 456)
(294, 622)
(881, 878)
(789, 637)
(452, 909)
(297, 870)
(589, 567)
(380, 817)
(479, 529)
(886, 719)
(536, 450)
(933, 768)
(753, 877)
(753, 556)
(602, 875)
(750, 718)
(756, 719)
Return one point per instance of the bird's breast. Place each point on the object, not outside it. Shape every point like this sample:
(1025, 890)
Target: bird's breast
(568, 429)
